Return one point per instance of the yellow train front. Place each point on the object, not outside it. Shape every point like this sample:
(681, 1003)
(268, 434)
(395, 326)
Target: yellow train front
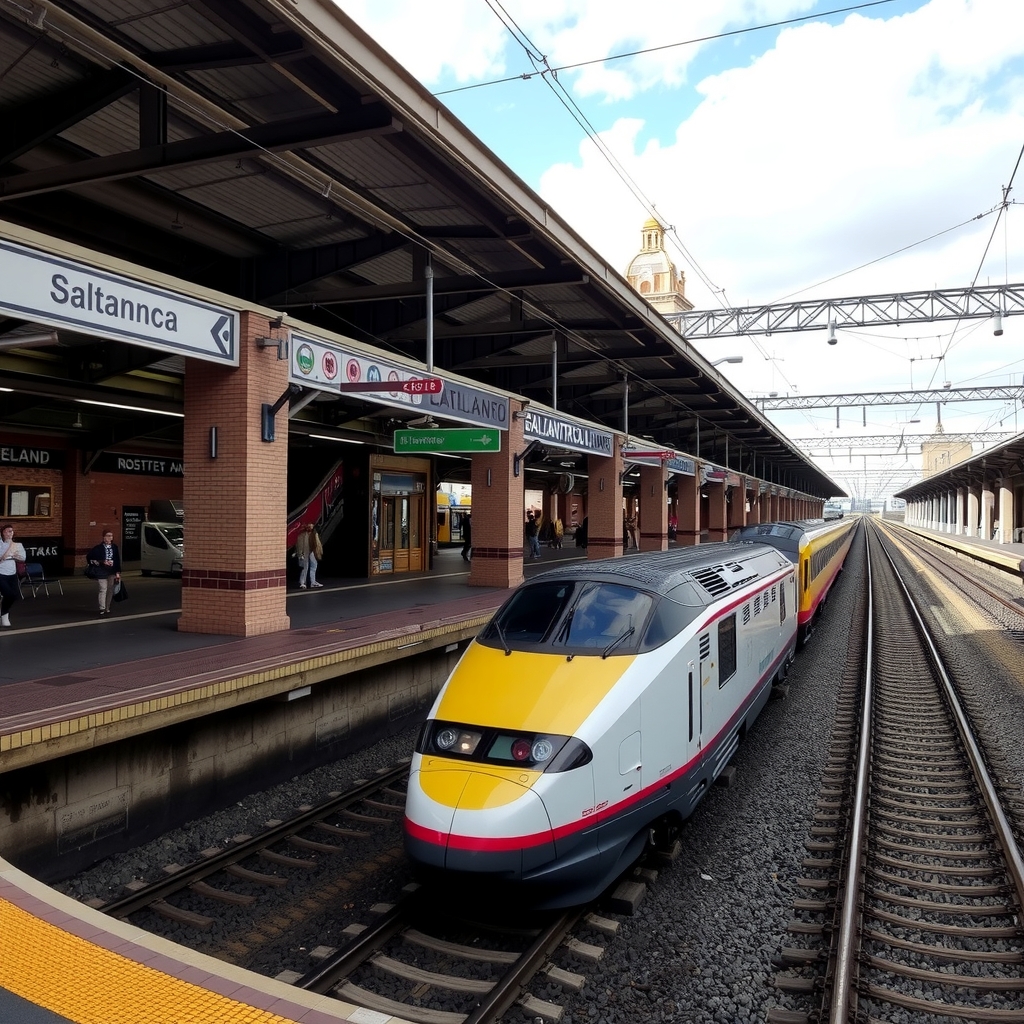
(817, 547)
(600, 702)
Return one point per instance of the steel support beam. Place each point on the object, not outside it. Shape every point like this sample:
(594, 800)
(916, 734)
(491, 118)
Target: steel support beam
(856, 311)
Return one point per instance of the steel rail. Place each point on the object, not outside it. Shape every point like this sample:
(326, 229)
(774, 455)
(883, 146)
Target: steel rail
(209, 865)
(513, 983)
(340, 964)
(846, 960)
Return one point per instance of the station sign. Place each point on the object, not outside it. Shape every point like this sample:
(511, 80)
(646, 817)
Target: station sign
(457, 439)
(680, 465)
(63, 293)
(566, 433)
(328, 366)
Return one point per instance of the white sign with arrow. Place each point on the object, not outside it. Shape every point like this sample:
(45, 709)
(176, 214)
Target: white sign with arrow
(63, 293)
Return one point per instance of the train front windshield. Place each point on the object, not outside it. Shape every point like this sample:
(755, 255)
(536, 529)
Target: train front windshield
(572, 618)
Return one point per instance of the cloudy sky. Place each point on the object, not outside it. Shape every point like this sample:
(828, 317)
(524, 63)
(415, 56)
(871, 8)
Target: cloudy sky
(856, 153)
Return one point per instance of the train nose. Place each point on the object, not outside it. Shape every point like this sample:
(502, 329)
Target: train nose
(488, 822)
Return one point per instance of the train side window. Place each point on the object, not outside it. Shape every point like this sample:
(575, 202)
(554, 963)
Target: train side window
(782, 602)
(726, 650)
(690, 698)
(807, 574)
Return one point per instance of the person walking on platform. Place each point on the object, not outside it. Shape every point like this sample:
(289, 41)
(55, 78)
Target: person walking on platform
(309, 550)
(103, 564)
(467, 537)
(11, 553)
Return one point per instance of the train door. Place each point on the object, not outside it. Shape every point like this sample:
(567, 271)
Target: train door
(704, 677)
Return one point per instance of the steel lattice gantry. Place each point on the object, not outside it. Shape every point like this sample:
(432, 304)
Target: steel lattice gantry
(855, 311)
(897, 441)
(1008, 393)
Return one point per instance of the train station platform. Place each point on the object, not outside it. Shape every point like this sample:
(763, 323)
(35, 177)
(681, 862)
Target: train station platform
(70, 680)
(1006, 557)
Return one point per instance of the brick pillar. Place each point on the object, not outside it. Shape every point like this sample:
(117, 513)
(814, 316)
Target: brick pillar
(717, 521)
(653, 509)
(688, 505)
(498, 512)
(754, 515)
(604, 503)
(737, 508)
(235, 505)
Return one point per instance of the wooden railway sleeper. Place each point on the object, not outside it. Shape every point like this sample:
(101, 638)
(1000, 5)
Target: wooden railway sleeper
(286, 861)
(928, 851)
(211, 892)
(312, 844)
(812, 906)
(796, 984)
(949, 909)
(976, 983)
(934, 868)
(991, 932)
(970, 891)
(173, 913)
(248, 875)
(799, 956)
(929, 1007)
(944, 952)
(796, 927)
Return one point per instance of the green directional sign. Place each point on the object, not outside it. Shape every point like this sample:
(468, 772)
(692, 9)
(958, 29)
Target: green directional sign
(458, 439)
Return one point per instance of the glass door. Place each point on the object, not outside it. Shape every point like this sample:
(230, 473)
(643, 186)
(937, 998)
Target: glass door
(416, 506)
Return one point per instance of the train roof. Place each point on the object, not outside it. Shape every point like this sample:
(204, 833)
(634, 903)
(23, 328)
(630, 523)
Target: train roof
(792, 529)
(703, 572)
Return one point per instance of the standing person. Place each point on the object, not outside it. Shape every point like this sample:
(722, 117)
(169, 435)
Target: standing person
(309, 550)
(467, 537)
(105, 562)
(316, 554)
(11, 553)
(532, 535)
(559, 531)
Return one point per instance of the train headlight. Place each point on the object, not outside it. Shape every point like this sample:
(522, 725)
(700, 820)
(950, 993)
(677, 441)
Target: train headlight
(457, 741)
(445, 739)
(542, 750)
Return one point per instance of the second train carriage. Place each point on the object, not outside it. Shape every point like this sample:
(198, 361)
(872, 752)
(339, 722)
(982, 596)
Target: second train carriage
(602, 699)
(817, 547)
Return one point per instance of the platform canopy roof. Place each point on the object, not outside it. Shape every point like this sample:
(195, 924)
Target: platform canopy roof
(268, 149)
(1000, 461)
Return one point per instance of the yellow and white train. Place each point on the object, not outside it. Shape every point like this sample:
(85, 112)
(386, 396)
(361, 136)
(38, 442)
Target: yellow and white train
(599, 704)
(817, 547)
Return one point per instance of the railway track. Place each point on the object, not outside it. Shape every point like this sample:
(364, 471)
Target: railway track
(261, 862)
(916, 882)
(422, 963)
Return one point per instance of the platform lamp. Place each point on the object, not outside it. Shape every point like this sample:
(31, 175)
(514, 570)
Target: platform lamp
(728, 359)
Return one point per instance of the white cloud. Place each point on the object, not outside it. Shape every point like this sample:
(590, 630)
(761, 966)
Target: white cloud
(810, 156)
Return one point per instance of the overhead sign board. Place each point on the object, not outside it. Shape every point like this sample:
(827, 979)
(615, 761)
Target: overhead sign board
(566, 433)
(316, 363)
(458, 439)
(63, 293)
(674, 463)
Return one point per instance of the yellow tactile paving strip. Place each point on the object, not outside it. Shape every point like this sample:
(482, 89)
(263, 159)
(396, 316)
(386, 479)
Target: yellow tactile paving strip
(91, 985)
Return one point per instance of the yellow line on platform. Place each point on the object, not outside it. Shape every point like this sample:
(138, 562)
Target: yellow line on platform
(88, 984)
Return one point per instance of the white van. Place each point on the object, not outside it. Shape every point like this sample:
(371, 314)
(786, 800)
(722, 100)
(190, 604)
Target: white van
(163, 548)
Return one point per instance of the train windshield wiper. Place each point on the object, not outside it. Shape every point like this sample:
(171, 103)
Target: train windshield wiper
(501, 637)
(618, 640)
